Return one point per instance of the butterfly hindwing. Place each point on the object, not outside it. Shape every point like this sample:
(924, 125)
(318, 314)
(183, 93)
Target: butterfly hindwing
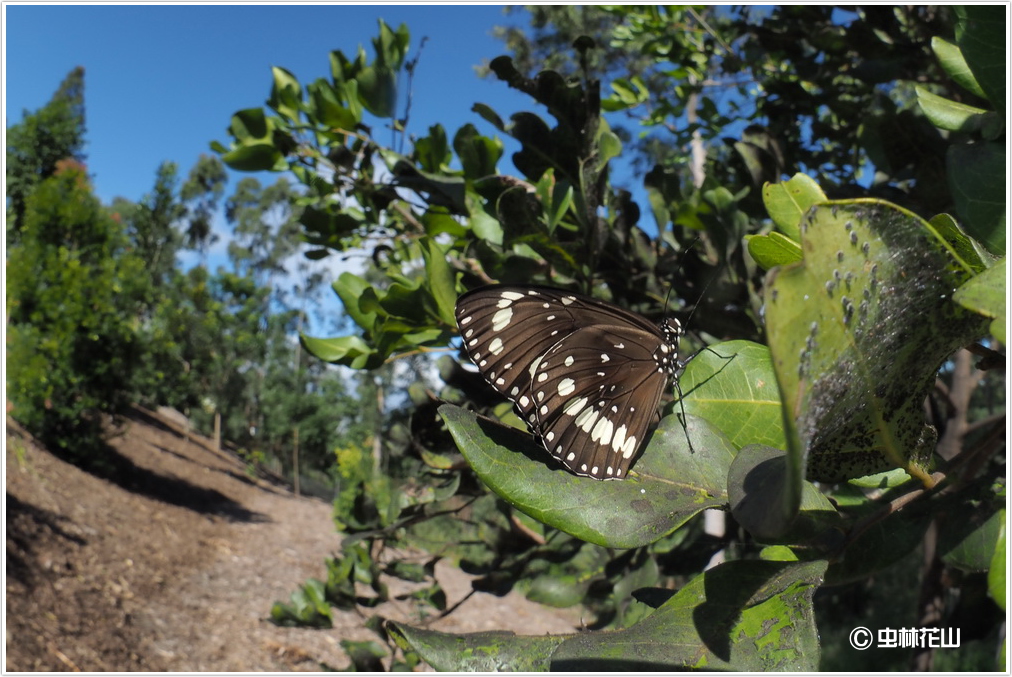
(596, 392)
(586, 376)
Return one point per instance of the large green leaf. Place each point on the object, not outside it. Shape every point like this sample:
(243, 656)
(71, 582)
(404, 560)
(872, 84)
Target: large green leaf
(733, 386)
(858, 331)
(951, 115)
(767, 502)
(983, 41)
(667, 485)
(350, 351)
(985, 294)
(350, 288)
(787, 202)
(439, 280)
(773, 250)
(746, 616)
(978, 181)
(878, 543)
(478, 154)
(968, 531)
(286, 94)
(497, 651)
(951, 58)
(996, 574)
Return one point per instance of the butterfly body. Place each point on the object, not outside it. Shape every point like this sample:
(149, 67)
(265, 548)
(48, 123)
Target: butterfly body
(586, 376)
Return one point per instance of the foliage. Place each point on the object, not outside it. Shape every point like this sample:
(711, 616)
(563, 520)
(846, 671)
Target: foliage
(37, 144)
(812, 441)
(72, 301)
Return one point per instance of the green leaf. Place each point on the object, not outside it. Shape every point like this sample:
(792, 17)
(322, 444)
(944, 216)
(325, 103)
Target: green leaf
(489, 115)
(951, 58)
(477, 652)
(733, 386)
(433, 151)
(996, 585)
(364, 655)
(985, 294)
(765, 501)
(951, 115)
(773, 250)
(744, 616)
(439, 280)
(762, 498)
(309, 607)
(880, 545)
(559, 205)
(478, 154)
(350, 351)
(965, 247)
(858, 331)
(626, 93)
(609, 146)
(983, 42)
(258, 157)
(286, 94)
(977, 179)
(787, 202)
(249, 124)
(351, 288)
(968, 534)
(326, 109)
(666, 487)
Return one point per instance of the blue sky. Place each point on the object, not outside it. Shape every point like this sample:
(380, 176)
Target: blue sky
(161, 82)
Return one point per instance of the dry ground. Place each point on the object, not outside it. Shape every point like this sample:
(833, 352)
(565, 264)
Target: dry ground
(175, 565)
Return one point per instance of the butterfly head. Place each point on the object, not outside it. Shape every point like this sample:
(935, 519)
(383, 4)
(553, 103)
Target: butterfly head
(666, 355)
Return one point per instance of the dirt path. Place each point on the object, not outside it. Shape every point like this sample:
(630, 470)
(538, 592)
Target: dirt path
(176, 566)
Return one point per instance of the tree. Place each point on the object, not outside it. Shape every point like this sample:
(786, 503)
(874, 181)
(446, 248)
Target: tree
(73, 299)
(852, 298)
(37, 144)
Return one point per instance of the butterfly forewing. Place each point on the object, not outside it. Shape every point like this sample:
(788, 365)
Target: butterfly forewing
(586, 376)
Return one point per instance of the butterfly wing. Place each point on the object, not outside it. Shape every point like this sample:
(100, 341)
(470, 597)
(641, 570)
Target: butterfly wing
(507, 328)
(595, 393)
(585, 375)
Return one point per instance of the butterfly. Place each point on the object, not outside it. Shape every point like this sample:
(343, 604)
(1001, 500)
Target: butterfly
(586, 376)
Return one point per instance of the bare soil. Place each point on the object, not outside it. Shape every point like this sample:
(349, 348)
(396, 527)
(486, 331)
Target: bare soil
(174, 565)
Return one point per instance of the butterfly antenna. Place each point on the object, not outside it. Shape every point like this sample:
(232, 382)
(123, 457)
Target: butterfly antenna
(681, 364)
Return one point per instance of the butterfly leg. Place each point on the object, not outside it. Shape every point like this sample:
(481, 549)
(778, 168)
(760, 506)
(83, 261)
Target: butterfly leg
(685, 421)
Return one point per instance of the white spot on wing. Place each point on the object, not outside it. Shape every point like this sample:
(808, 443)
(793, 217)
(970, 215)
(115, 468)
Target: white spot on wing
(502, 319)
(586, 419)
(602, 432)
(575, 406)
(619, 439)
(495, 345)
(566, 386)
(629, 447)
